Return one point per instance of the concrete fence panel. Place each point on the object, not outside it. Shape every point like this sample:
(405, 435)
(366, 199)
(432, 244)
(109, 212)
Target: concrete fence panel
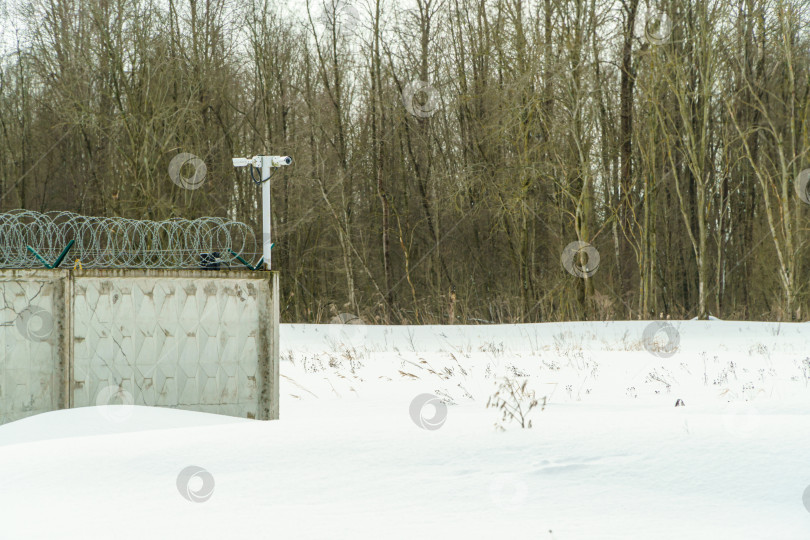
(34, 363)
(196, 340)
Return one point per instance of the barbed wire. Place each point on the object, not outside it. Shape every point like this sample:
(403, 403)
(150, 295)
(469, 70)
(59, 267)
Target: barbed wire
(115, 242)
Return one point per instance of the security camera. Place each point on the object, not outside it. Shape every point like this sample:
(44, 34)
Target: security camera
(258, 161)
(264, 164)
(241, 162)
(280, 161)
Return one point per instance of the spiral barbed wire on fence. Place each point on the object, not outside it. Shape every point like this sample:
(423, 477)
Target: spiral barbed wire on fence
(115, 242)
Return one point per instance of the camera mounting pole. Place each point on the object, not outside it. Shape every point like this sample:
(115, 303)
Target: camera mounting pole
(265, 164)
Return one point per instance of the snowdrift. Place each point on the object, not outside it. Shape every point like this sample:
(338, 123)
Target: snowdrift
(609, 457)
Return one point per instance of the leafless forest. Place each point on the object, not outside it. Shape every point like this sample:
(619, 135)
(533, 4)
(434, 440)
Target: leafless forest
(446, 151)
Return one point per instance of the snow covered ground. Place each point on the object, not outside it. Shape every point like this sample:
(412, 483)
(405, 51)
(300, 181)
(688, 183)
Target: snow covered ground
(608, 457)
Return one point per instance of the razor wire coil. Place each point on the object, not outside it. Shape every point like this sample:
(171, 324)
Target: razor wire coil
(115, 242)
